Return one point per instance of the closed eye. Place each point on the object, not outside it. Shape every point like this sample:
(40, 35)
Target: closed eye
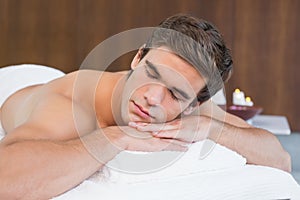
(173, 95)
(152, 72)
(154, 76)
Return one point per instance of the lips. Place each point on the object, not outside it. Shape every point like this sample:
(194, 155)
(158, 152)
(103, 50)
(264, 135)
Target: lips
(140, 111)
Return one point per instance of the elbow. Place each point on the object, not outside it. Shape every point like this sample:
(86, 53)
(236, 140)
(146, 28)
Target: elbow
(11, 185)
(7, 191)
(286, 163)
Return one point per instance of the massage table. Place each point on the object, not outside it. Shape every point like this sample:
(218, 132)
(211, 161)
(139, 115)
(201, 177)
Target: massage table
(206, 171)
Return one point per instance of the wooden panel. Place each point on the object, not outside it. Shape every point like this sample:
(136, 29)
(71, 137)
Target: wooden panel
(37, 32)
(266, 40)
(60, 33)
(132, 14)
(263, 35)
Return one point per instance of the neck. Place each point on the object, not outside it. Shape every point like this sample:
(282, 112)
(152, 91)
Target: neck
(116, 101)
(108, 101)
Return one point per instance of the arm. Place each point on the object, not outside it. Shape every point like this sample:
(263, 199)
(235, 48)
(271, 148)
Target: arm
(258, 146)
(41, 169)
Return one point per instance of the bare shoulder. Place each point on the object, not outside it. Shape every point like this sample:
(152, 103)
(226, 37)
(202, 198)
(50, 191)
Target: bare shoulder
(54, 118)
(62, 109)
(59, 110)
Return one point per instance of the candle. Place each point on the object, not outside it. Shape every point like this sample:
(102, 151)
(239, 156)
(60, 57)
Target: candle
(238, 97)
(248, 102)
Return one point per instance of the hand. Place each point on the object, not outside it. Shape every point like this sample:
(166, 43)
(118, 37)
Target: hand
(188, 129)
(128, 138)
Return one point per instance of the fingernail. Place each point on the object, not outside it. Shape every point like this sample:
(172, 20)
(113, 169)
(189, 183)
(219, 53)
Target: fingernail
(132, 124)
(141, 124)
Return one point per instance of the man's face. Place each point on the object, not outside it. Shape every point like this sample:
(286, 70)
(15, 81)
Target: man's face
(161, 86)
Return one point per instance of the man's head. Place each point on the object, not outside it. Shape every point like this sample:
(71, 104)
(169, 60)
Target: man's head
(192, 60)
(199, 43)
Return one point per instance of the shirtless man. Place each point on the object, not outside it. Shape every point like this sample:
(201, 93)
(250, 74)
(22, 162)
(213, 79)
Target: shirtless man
(58, 136)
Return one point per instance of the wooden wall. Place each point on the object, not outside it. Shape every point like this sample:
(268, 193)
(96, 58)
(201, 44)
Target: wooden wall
(264, 36)
(266, 39)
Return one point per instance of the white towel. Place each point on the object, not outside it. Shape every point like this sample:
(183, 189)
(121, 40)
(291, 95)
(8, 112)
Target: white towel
(16, 77)
(203, 156)
(247, 183)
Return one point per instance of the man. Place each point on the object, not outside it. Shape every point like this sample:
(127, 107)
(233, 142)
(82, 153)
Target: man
(60, 133)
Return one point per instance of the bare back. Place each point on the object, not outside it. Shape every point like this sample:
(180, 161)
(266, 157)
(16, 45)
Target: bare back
(58, 110)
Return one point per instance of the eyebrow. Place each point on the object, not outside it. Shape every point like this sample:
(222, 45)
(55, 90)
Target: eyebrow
(155, 70)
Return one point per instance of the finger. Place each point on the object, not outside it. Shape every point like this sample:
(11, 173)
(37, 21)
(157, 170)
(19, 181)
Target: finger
(134, 133)
(174, 147)
(176, 134)
(177, 142)
(143, 126)
(157, 127)
(132, 124)
(167, 134)
(171, 145)
(135, 124)
(157, 144)
(142, 123)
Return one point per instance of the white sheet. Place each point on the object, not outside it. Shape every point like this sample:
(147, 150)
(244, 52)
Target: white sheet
(242, 183)
(16, 77)
(221, 175)
(238, 182)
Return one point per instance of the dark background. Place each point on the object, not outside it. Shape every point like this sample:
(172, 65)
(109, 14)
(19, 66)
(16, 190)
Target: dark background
(264, 36)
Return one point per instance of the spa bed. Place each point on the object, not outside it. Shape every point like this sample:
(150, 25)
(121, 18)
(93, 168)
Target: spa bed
(206, 171)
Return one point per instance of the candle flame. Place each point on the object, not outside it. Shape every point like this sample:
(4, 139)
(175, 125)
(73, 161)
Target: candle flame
(237, 90)
(248, 99)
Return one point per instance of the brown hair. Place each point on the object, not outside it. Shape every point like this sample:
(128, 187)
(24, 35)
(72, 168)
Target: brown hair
(198, 42)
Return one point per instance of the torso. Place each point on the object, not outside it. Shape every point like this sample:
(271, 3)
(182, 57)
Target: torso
(20, 100)
(64, 106)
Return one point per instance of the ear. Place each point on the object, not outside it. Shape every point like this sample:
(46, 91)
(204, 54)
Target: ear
(137, 57)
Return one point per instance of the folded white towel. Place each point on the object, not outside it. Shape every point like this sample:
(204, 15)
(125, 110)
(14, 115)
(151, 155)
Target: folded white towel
(249, 182)
(203, 156)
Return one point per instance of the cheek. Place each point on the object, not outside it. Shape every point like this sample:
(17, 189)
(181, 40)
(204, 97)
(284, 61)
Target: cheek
(133, 88)
(173, 108)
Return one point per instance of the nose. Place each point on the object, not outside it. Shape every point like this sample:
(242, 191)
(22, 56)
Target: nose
(154, 94)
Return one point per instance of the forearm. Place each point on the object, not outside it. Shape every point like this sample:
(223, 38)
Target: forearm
(258, 146)
(43, 169)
